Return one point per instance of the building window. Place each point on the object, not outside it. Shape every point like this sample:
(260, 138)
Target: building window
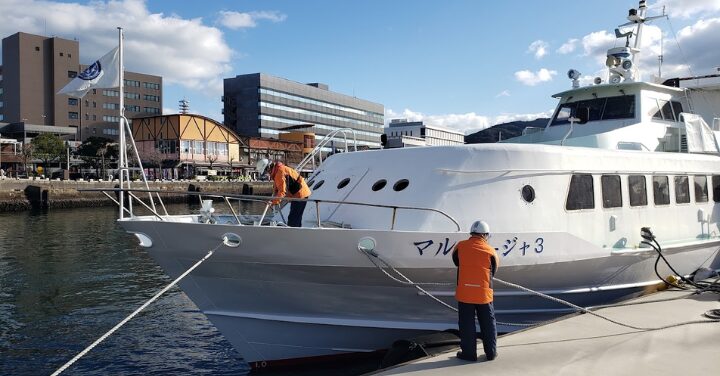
(580, 194)
(661, 190)
(2, 117)
(72, 101)
(638, 192)
(72, 74)
(37, 48)
(61, 54)
(87, 117)
(72, 115)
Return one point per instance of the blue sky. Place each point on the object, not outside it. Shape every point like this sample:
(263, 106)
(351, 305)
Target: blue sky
(462, 64)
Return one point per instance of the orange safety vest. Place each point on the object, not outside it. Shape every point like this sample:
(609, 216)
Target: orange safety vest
(279, 184)
(474, 271)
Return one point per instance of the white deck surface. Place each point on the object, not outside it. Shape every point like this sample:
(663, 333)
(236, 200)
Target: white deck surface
(588, 345)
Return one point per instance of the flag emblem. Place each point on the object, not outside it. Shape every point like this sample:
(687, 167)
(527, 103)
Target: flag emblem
(91, 72)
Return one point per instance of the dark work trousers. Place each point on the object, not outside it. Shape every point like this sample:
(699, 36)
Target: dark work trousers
(488, 332)
(296, 212)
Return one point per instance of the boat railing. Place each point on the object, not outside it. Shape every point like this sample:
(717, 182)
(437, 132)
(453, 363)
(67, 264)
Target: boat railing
(716, 124)
(531, 130)
(229, 198)
(338, 134)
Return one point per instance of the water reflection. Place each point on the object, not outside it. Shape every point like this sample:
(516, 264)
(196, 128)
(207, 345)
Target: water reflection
(68, 276)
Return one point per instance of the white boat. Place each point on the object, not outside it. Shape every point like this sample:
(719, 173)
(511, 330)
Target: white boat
(566, 204)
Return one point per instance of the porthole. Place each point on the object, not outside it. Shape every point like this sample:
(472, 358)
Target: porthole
(343, 183)
(319, 184)
(528, 193)
(380, 184)
(400, 185)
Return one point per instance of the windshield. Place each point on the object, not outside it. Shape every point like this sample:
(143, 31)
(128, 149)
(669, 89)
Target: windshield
(622, 107)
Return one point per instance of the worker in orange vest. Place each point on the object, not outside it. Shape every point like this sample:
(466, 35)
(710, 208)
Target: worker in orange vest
(477, 262)
(286, 183)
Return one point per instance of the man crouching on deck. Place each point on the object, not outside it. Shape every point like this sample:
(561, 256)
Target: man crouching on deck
(477, 262)
(286, 183)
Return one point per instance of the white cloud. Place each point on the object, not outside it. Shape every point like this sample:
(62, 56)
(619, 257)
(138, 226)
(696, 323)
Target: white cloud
(598, 43)
(238, 20)
(533, 78)
(183, 51)
(504, 93)
(685, 8)
(568, 46)
(538, 48)
(466, 123)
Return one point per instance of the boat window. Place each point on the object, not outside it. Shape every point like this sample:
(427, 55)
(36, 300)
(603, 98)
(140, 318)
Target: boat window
(528, 193)
(716, 188)
(701, 190)
(677, 108)
(655, 110)
(638, 193)
(343, 183)
(580, 194)
(380, 184)
(310, 183)
(563, 114)
(611, 193)
(318, 185)
(401, 184)
(622, 107)
(682, 190)
(666, 109)
(661, 190)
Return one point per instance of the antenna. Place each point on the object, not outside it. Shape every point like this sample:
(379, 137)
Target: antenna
(661, 57)
(184, 105)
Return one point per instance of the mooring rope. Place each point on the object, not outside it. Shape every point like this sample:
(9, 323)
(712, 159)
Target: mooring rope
(519, 287)
(124, 321)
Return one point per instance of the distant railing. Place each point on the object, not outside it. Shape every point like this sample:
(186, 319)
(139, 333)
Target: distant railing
(329, 138)
(531, 130)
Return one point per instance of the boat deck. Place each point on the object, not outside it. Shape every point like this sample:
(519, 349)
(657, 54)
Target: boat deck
(588, 345)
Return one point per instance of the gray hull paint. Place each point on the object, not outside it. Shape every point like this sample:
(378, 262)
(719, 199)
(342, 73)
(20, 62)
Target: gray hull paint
(272, 307)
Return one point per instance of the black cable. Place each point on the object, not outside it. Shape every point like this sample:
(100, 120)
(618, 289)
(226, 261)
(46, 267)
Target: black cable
(702, 286)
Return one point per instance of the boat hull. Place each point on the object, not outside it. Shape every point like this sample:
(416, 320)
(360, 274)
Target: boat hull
(289, 293)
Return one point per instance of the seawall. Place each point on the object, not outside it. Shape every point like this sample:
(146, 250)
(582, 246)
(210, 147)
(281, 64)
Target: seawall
(26, 194)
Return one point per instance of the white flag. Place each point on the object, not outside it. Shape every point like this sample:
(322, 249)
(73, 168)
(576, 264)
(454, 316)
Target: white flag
(103, 73)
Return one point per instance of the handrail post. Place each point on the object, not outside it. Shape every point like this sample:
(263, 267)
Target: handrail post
(317, 213)
(392, 224)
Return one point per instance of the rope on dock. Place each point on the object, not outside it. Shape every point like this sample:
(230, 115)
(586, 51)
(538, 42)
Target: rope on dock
(124, 321)
(407, 281)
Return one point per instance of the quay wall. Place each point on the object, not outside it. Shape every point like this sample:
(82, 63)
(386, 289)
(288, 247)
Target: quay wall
(26, 194)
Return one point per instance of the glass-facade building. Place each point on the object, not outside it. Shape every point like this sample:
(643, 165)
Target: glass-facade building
(260, 105)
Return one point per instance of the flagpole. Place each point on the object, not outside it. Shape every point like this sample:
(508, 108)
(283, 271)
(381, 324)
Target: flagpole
(122, 152)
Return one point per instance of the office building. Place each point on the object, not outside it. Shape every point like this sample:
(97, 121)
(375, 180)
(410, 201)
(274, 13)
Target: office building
(34, 68)
(261, 105)
(401, 133)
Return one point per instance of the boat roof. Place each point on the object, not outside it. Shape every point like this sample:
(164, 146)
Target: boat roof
(630, 86)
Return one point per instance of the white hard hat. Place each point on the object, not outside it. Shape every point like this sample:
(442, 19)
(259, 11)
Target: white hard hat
(261, 165)
(480, 227)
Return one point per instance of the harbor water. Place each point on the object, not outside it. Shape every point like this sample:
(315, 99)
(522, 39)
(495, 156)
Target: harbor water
(68, 276)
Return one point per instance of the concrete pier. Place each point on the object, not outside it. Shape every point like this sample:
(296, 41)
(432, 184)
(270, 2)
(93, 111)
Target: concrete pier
(25, 194)
(587, 345)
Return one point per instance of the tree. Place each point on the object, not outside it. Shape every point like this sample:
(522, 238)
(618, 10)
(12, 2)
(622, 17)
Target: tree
(231, 160)
(27, 154)
(48, 147)
(212, 158)
(94, 150)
